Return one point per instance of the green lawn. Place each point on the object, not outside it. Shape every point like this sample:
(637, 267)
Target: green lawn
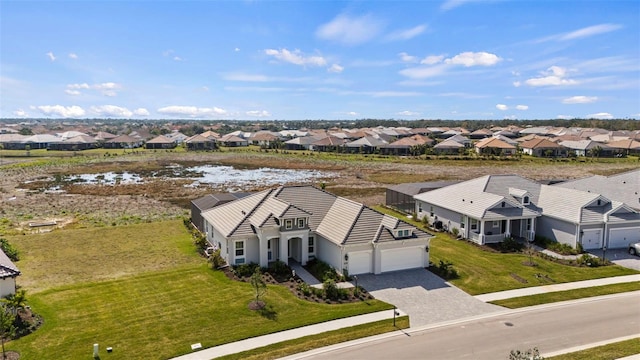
(606, 352)
(523, 301)
(143, 290)
(307, 343)
(484, 271)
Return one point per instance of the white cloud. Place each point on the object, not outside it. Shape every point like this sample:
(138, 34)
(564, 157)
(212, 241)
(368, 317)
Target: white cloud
(407, 58)
(246, 77)
(258, 113)
(600, 115)
(565, 117)
(191, 111)
(141, 112)
(517, 83)
(522, 107)
(350, 30)
(236, 49)
(408, 113)
(111, 111)
(72, 92)
(580, 100)
(177, 58)
(51, 56)
(20, 113)
(450, 4)
(296, 57)
(590, 31)
(73, 56)
(474, 59)
(424, 71)
(352, 113)
(407, 33)
(335, 68)
(432, 59)
(62, 111)
(553, 76)
(78, 86)
(502, 107)
(205, 88)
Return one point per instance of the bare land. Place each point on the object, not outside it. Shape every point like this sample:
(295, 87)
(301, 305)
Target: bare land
(26, 183)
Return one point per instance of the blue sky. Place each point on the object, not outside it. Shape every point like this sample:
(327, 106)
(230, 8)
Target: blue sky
(450, 59)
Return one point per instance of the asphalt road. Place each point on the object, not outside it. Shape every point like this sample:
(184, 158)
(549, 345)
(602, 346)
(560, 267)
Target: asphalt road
(550, 328)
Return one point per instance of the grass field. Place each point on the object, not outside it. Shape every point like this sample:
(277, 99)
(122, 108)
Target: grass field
(606, 352)
(171, 301)
(532, 300)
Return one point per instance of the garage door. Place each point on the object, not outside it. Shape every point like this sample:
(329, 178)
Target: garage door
(359, 262)
(591, 239)
(401, 259)
(620, 238)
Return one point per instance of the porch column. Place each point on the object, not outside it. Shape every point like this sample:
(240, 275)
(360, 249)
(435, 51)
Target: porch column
(283, 250)
(264, 256)
(507, 231)
(304, 242)
(481, 236)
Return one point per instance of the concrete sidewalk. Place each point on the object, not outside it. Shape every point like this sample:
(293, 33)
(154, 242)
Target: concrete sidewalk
(260, 341)
(501, 295)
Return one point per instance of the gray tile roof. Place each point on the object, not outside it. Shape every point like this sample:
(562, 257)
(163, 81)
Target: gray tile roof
(337, 219)
(7, 267)
(624, 187)
(418, 188)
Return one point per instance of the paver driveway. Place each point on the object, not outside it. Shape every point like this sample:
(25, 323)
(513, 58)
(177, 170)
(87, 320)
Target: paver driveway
(424, 296)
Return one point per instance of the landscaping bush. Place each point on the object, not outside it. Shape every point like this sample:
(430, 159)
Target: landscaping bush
(322, 271)
(590, 261)
(245, 270)
(216, 260)
(305, 289)
(8, 249)
(445, 270)
(279, 268)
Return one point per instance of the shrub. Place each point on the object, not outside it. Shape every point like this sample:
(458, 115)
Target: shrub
(280, 268)
(305, 289)
(590, 261)
(321, 270)
(246, 270)
(509, 245)
(8, 249)
(455, 232)
(445, 270)
(216, 260)
(330, 289)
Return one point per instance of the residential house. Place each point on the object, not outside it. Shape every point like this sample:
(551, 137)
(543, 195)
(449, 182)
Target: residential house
(495, 146)
(160, 142)
(76, 143)
(401, 196)
(625, 147)
(449, 147)
(210, 201)
(481, 134)
(365, 145)
(543, 147)
(300, 143)
(492, 207)
(200, 142)
(233, 141)
(623, 187)
(329, 143)
(8, 274)
(123, 142)
(412, 145)
(298, 223)
(588, 148)
(264, 138)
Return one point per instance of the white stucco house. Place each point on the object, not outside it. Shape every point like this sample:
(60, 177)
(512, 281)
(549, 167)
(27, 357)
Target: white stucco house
(8, 274)
(493, 207)
(299, 223)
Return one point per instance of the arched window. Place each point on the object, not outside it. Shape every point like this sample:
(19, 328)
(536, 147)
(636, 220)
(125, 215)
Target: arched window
(525, 200)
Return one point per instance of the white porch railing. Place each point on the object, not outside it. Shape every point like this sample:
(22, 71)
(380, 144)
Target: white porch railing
(493, 238)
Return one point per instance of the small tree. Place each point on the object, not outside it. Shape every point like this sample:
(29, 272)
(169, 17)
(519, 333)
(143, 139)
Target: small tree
(17, 301)
(259, 287)
(7, 330)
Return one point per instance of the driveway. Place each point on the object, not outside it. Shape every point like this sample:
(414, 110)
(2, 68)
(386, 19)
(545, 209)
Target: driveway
(424, 296)
(620, 257)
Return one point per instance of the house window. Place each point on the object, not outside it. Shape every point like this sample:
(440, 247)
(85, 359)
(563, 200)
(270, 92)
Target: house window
(312, 245)
(419, 207)
(599, 202)
(525, 200)
(301, 223)
(474, 224)
(463, 220)
(288, 224)
(269, 252)
(496, 224)
(431, 212)
(403, 233)
(503, 203)
(528, 224)
(239, 246)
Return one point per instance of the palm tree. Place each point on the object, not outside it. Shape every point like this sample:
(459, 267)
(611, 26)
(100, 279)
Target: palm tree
(16, 301)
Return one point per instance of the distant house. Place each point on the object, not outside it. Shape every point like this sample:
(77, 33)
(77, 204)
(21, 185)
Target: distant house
(200, 142)
(626, 147)
(407, 145)
(123, 142)
(328, 143)
(160, 142)
(449, 147)
(264, 138)
(365, 145)
(588, 148)
(481, 134)
(76, 143)
(299, 223)
(233, 141)
(543, 147)
(300, 143)
(8, 274)
(494, 146)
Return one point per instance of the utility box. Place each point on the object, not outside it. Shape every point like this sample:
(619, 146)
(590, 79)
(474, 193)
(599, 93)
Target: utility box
(95, 351)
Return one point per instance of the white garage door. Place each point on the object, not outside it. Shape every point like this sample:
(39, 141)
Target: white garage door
(620, 238)
(359, 262)
(401, 259)
(591, 239)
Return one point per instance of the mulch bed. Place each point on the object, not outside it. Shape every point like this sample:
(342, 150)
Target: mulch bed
(11, 355)
(293, 283)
